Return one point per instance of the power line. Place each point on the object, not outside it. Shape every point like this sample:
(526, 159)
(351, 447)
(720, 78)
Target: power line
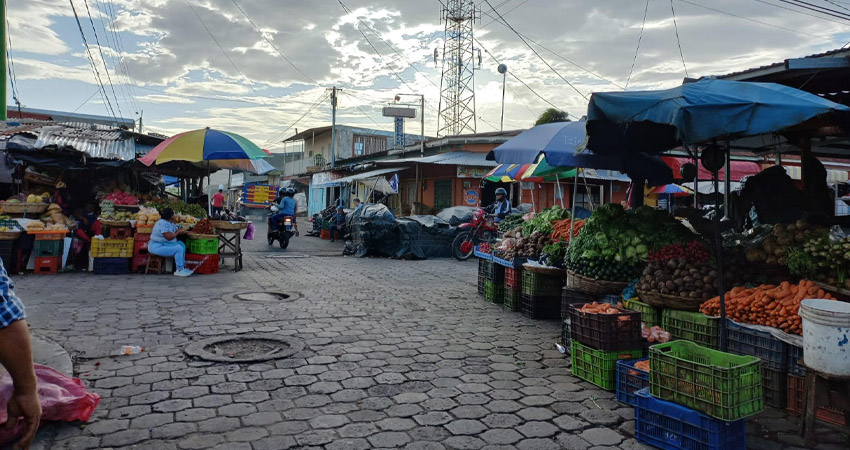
(86, 101)
(535, 52)
(369, 116)
(678, 41)
(504, 13)
(640, 38)
(759, 21)
(103, 58)
(91, 61)
(315, 105)
(838, 4)
(308, 77)
(117, 47)
(801, 12)
(13, 76)
(223, 52)
(817, 8)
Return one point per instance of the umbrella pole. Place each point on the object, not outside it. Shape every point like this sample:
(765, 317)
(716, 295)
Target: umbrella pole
(573, 205)
(558, 184)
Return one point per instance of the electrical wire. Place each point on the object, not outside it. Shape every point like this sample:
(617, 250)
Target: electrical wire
(268, 41)
(504, 13)
(315, 105)
(801, 12)
(103, 95)
(369, 116)
(640, 38)
(13, 76)
(86, 101)
(536, 53)
(831, 2)
(117, 61)
(816, 8)
(103, 59)
(759, 21)
(678, 41)
(223, 52)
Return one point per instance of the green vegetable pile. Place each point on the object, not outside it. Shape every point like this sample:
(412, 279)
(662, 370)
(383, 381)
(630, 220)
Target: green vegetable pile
(510, 222)
(614, 244)
(555, 254)
(822, 259)
(179, 206)
(542, 222)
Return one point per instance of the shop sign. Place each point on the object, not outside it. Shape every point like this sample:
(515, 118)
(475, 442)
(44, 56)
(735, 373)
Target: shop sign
(258, 195)
(471, 197)
(472, 171)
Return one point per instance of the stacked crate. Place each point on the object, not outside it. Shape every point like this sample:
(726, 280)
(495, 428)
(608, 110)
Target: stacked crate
(111, 256)
(599, 341)
(140, 252)
(202, 255)
(513, 288)
(691, 326)
(541, 295)
(570, 297)
(482, 273)
(744, 340)
(796, 384)
(47, 251)
(494, 282)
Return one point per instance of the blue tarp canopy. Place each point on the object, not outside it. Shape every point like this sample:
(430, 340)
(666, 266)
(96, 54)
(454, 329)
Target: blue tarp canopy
(560, 141)
(657, 121)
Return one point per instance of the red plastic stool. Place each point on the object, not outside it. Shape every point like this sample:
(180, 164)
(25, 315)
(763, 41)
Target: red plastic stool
(46, 265)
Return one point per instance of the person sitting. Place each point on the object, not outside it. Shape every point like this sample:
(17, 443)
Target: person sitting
(164, 242)
(502, 207)
(286, 207)
(357, 204)
(338, 221)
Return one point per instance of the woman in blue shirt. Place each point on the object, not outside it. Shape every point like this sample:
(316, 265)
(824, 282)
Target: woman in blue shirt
(164, 242)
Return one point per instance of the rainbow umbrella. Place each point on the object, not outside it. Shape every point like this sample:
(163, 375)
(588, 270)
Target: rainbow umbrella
(670, 189)
(507, 173)
(203, 145)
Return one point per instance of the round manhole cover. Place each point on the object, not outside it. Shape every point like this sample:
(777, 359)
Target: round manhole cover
(245, 348)
(266, 296)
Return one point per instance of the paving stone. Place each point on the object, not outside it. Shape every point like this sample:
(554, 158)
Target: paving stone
(538, 444)
(601, 417)
(149, 398)
(433, 418)
(470, 412)
(601, 436)
(328, 421)
(537, 429)
(537, 400)
(348, 444)
(395, 424)
(247, 434)
(172, 405)
(219, 424)
(463, 443)
(262, 418)
(356, 430)
(125, 437)
(410, 397)
(389, 439)
(200, 441)
(289, 427)
(130, 412)
(407, 410)
(195, 414)
(631, 444)
(237, 409)
(251, 397)
(569, 423)
(466, 427)
(501, 420)
(349, 395)
(535, 414)
(102, 427)
(424, 446)
(274, 443)
(572, 442)
(501, 436)
(174, 430)
(503, 406)
(190, 392)
(429, 433)
(439, 404)
(212, 401)
(151, 420)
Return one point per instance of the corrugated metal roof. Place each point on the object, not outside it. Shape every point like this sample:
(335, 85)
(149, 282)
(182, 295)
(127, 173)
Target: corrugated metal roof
(477, 159)
(96, 141)
(781, 65)
(370, 174)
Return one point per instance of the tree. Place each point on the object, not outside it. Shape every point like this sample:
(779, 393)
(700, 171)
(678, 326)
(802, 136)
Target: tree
(552, 115)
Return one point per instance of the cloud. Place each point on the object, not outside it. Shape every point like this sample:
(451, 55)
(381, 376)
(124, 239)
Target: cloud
(160, 98)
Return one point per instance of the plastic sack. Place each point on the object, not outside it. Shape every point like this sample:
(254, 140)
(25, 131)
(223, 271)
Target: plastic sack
(63, 399)
(249, 232)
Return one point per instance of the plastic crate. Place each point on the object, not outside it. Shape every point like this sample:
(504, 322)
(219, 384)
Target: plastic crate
(795, 356)
(669, 426)
(144, 229)
(120, 232)
(482, 266)
(111, 248)
(202, 264)
(11, 224)
(140, 248)
(722, 385)
(775, 387)
(596, 366)
(607, 332)
(649, 314)
(511, 300)
(538, 284)
(691, 326)
(565, 334)
(747, 341)
(794, 399)
(630, 380)
(47, 265)
(139, 263)
(513, 279)
(111, 266)
(494, 292)
(495, 273)
(481, 280)
(48, 235)
(202, 246)
(48, 248)
(142, 237)
(540, 307)
(569, 297)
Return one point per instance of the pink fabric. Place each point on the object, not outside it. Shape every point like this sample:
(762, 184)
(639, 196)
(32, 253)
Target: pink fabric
(740, 169)
(63, 399)
(249, 232)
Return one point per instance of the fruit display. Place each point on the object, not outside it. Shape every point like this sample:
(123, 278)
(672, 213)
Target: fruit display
(773, 249)
(146, 216)
(510, 222)
(654, 335)
(185, 220)
(554, 254)
(54, 216)
(694, 251)
(771, 305)
(528, 247)
(178, 206)
(542, 221)
(204, 226)
(119, 197)
(37, 225)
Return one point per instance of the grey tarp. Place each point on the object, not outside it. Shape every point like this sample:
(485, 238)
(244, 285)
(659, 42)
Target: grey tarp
(423, 237)
(374, 231)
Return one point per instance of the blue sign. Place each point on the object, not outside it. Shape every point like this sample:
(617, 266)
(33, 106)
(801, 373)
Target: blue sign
(399, 132)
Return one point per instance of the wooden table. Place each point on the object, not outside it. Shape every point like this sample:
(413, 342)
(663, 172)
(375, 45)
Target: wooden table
(823, 389)
(230, 246)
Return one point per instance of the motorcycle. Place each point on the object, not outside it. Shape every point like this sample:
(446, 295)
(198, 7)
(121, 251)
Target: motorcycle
(285, 229)
(482, 229)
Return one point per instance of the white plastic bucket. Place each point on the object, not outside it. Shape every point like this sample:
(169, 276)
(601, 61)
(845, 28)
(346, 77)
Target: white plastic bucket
(826, 335)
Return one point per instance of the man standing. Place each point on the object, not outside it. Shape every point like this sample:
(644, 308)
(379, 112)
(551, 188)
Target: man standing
(218, 200)
(16, 357)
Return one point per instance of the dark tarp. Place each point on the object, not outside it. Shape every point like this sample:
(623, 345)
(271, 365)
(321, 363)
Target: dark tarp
(423, 237)
(374, 231)
(457, 215)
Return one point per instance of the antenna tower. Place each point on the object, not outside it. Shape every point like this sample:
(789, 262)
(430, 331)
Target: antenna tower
(457, 86)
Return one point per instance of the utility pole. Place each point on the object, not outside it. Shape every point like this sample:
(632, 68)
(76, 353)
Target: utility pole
(503, 69)
(333, 127)
(422, 127)
(141, 116)
(3, 55)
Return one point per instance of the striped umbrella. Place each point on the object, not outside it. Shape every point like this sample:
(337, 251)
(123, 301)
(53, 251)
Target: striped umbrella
(203, 145)
(507, 173)
(670, 189)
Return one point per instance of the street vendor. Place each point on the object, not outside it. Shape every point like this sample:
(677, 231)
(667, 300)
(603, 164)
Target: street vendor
(164, 241)
(502, 207)
(338, 221)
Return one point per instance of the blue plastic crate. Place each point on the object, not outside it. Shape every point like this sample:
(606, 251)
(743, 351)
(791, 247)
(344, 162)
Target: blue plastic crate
(795, 354)
(111, 266)
(630, 380)
(669, 426)
(744, 340)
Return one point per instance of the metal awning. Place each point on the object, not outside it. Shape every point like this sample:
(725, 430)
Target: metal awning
(367, 175)
(832, 176)
(606, 175)
(477, 159)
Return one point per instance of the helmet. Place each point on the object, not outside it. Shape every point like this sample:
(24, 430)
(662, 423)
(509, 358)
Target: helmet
(281, 192)
(291, 191)
(501, 191)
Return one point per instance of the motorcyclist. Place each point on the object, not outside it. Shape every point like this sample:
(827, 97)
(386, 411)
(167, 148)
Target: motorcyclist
(502, 206)
(286, 207)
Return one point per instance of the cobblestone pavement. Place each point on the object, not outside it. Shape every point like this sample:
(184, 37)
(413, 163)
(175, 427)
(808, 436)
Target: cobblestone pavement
(397, 354)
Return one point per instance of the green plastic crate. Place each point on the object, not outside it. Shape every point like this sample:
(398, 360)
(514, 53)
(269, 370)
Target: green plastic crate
(598, 367)
(202, 246)
(540, 285)
(649, 314)
(691, 326)
(494, 292)
(42, 249)
(724, 386)
(511, 299)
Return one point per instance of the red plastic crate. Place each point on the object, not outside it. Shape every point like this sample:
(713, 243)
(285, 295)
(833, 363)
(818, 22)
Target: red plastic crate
(139, 263)
(47, 265)
(796, 385)
(142, 237)
(120, 232)
(140, 248)
(325, 234)
(200, 265)
(513, 279)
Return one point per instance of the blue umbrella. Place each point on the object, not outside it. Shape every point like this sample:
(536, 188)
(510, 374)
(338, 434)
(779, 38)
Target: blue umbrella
(656, 121)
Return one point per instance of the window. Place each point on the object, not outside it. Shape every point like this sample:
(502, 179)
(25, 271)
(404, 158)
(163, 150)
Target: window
(368, 145)
(588, 197)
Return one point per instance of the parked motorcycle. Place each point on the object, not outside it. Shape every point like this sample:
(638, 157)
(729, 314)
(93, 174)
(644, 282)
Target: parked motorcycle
(285, 229)
(483, 228)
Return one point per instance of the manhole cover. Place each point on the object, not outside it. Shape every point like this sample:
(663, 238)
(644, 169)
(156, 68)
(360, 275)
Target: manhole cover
(245, 348)
(266, 296)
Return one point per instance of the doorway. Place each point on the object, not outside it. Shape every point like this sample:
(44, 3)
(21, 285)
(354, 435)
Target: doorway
(442, 194)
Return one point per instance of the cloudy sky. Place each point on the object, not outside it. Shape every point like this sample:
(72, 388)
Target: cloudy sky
(261, 67)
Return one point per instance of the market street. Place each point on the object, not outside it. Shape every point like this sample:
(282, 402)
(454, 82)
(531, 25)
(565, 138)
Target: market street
(397, 354)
